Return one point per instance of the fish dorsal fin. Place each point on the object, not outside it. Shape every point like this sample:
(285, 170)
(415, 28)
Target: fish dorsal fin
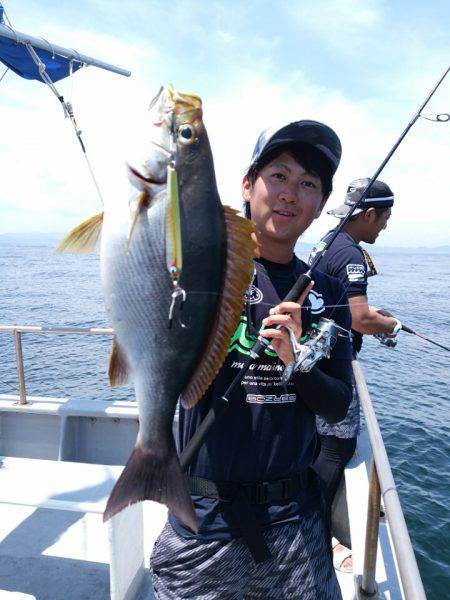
(84, 238)
(241, 249)
(117, 368)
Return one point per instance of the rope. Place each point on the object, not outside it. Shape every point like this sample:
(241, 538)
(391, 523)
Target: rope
(7, 18)
(67, 108)
(9, 25)
(93, 176)
(1, 78)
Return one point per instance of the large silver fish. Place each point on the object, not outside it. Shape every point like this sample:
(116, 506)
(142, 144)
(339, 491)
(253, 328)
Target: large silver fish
(175, 264)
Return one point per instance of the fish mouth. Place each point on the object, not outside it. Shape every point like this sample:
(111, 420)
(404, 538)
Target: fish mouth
(149, 178)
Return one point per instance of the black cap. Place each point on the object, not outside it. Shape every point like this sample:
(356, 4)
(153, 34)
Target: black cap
(380, 196)
(322, 137)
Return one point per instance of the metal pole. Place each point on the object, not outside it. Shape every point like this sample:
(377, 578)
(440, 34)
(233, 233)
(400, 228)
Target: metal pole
(68, 53)
(407, 564)
(57, 330)
(368, 582)
(20, 371)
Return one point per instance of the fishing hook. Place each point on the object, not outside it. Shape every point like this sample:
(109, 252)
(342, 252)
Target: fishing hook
(178, 292)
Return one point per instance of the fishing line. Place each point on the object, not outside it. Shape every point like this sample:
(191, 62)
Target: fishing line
(8, 385)
(278, 303)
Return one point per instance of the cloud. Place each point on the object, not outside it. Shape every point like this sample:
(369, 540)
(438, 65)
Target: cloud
(246, 86)
(342, 24)
(417, 172)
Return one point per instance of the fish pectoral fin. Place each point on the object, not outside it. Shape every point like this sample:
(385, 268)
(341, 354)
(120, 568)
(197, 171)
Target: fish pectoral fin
(152, 475)
(241, 248)
(142, 202)
(117, 368)
(84, 238)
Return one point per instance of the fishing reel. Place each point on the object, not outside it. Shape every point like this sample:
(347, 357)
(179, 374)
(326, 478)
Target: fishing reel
(385, 341)
(318, 345)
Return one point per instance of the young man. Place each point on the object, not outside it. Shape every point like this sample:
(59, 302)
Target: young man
(352, 265)
(262, 532)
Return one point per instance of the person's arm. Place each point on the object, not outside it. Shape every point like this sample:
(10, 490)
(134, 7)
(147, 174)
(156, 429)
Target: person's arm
(327, 388)
(367, 319)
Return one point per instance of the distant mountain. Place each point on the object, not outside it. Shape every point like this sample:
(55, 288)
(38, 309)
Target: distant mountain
(302, 248)
(412, 250)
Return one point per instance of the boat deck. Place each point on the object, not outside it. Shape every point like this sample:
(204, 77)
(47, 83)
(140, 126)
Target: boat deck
(53, 543)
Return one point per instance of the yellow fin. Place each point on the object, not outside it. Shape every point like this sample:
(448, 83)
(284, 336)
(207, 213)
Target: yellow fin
(142, 201)
(117, 368)
(241, 248)
(84, 238)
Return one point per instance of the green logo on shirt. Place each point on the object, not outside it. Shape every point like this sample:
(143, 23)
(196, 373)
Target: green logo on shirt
(243, 342)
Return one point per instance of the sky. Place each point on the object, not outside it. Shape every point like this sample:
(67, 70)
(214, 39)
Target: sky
(362, 66)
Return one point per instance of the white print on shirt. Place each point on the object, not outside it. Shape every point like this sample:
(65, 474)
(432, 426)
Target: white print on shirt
(253, 294)
(316, 301)
(356, 272)
(256, 367)
(270, 399)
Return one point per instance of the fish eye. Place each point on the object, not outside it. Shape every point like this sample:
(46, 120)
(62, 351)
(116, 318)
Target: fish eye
(186, 134)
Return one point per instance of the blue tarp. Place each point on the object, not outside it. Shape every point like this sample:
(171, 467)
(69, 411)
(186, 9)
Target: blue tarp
(18, 59)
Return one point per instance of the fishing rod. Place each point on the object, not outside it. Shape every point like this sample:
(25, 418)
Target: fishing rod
(391, 343)
(409, 330)
(293, 295)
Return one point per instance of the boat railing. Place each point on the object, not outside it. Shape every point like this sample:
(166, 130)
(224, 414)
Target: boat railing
(381, 479)
(382, 485)
(17, 331)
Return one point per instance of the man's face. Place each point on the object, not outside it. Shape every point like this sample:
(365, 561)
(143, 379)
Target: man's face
(375, 225)
(284, 200)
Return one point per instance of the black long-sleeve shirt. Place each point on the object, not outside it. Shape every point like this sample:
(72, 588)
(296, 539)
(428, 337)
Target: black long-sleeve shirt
(268, 431)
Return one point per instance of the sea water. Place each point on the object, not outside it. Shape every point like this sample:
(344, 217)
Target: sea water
(409, 385)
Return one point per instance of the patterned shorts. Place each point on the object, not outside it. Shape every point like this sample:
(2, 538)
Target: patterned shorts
(348, 427)
(300, 569)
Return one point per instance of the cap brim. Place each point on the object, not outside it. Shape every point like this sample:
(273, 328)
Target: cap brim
(341, 211)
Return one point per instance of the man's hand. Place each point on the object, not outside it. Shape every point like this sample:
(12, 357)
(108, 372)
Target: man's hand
(289, 315)
(397, 326)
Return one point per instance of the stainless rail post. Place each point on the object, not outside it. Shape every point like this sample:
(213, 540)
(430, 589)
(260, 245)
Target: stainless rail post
(19, 363)
(368, 582)
(17, 331)
(407, 564)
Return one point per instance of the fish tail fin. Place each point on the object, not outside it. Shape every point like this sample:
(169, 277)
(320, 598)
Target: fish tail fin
(84, 238)
(151, 475)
